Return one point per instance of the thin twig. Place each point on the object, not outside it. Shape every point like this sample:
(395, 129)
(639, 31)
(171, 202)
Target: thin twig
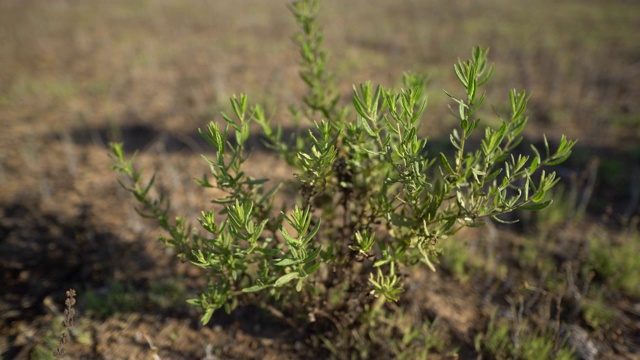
(556, 343)
(67, 323)
(587, 193)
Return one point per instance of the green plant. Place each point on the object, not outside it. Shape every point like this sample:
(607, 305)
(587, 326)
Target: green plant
(614, 261)
(501, 341)
(371, 201)
(396, 329)
(167, 293)
(596, 312)
(118, 298)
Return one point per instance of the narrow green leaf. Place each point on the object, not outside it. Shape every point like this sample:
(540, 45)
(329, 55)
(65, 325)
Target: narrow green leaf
(536, 206)
(313, 255)
(224, 201)
(286, 278)
(496, 218)
(290, 239)
(534, 165)
(454, 141)
(207, 316)
(492, 176)
(311, 268)
(458, 70)
(367, 128)
(204, 182)
(558, 159)
(286, 262)
(255, 288)
(194, 302)
(257, 181)
(538, 196)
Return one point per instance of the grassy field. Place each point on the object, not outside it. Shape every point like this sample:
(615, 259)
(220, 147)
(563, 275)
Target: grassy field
(76, 74)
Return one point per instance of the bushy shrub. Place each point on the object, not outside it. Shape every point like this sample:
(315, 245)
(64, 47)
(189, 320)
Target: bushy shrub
(371, 200)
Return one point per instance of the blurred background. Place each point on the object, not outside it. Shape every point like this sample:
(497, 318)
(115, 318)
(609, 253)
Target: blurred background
(76, 74)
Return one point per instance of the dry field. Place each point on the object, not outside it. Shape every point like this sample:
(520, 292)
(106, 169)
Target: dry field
(76, 74)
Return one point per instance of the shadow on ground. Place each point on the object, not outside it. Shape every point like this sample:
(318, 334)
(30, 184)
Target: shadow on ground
(615, 174)
(43, 254)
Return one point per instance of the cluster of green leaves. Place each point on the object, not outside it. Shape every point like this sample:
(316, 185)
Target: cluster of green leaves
(372, 200)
